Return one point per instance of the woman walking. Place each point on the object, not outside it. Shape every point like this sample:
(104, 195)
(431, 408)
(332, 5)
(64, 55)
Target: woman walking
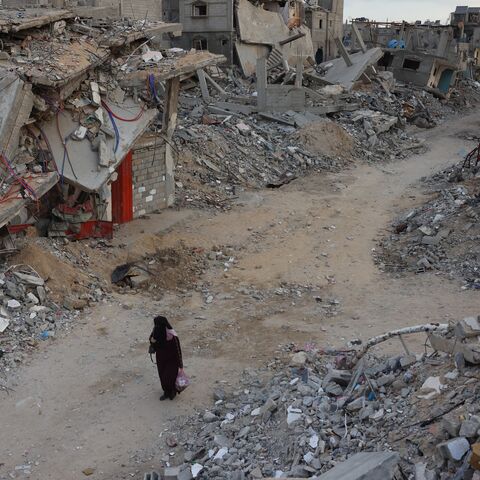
(168, 354)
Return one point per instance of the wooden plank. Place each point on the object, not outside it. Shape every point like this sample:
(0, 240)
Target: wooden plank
(203, 84)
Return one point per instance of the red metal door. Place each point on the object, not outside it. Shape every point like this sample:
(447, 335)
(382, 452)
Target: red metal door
(122, 192)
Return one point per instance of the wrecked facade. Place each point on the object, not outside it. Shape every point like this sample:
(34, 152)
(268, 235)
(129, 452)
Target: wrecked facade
(75, 119)
(424, 55)
(325, 20)
(217, 26)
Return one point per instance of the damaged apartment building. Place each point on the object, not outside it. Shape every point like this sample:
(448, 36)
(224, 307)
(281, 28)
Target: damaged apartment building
(466, 22)
(423, 55)
(215, 25)
(87, 115)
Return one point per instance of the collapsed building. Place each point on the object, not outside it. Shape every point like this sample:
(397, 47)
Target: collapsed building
(87, 116)
(220, 27)
(466, 21)
(426, 55)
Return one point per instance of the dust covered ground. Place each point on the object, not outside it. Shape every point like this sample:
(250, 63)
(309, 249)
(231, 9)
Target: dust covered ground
(290, 265)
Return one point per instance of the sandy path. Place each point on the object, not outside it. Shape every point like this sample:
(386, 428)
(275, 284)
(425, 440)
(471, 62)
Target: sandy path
(90, 399)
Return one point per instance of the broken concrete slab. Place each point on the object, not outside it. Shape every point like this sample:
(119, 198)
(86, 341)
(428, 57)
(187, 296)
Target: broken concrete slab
(337, 72)
(470, 351)
(168, 69)
(468, 327)
(16, 103)
(86, 169)
(365, 466)
(454, 449)
(259, 26)
(11, 21)
(248, 55)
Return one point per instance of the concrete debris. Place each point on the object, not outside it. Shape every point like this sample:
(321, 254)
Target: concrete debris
(454, 449)
(440, 235)
(311, 431)
(374, 125)
(365, 466)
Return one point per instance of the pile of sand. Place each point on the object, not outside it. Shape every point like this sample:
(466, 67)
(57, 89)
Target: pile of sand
(326, 138)
(61, 278)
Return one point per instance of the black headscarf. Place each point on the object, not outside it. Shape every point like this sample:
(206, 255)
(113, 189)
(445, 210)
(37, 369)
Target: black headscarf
(160, 330)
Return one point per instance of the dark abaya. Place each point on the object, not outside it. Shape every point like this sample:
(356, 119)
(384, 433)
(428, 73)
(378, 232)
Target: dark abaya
(169, 360)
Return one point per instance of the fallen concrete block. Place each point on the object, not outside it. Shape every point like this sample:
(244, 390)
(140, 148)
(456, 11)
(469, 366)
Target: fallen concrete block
(171, 473)
(470, 351)
(340, 377)
(468, 327)
(454, 449)
(365, 466)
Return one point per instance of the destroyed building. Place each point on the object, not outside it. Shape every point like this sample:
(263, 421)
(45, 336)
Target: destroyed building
(140, 9)
(426, 55)
(220, 26)
(78, 112)
(325, 20)
(466, 21)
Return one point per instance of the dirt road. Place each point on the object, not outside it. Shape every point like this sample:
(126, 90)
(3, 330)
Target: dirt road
(303, 272)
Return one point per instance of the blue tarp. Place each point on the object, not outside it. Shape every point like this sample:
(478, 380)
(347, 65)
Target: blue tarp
(396, 44)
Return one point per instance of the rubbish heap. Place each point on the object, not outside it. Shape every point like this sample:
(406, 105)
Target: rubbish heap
(27, 314)
(441, 235)
(301, 417)
(71, 110)
(224, 145)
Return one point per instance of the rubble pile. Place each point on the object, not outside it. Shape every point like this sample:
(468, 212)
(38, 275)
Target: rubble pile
(302, 417)
(27, 314)
(245, 152)
(441, 235)
(219, 151)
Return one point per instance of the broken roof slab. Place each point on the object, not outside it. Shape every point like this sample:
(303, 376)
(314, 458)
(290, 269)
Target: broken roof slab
(257, 25)
(40, 184)
(58, 64)
(171, 67)
(154, 29)
(345, 75)
(14, 20)
(248, 55)
(87, 172)
(16, 102)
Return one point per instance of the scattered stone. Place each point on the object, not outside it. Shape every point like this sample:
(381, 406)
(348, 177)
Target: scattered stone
(470, 427)
(299, 359)
(365, 466)
(454, 449)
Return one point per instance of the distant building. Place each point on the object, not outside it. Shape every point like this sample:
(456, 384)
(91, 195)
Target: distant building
(211, 24)
(207, 24)
(466, 21)
(325, 20)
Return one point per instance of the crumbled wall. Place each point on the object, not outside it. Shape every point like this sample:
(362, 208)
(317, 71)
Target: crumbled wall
(152, 177)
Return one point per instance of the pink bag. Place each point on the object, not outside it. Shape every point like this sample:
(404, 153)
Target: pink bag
(182, 381)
